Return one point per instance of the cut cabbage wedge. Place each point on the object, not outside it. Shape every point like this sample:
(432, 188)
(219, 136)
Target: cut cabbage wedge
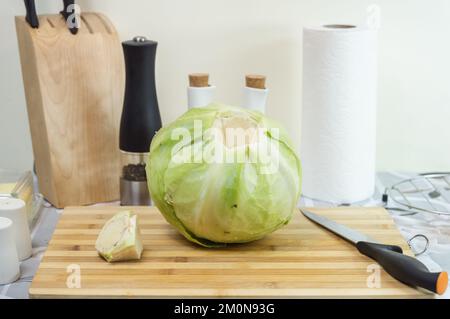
(120, 238)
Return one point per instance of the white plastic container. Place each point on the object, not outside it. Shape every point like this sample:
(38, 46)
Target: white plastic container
(17, 184)
(9, 261)
(15, 210)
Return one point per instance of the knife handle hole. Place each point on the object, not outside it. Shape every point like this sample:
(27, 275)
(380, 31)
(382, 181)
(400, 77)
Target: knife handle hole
(88, 26)
(425, 242)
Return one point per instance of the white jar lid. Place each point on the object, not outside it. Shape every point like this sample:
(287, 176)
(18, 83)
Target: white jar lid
(9, 203)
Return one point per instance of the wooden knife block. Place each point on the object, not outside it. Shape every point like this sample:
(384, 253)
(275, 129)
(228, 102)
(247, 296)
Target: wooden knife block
(74, 86)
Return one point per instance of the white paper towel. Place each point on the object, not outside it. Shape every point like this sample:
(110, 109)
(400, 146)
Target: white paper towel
(339, 113)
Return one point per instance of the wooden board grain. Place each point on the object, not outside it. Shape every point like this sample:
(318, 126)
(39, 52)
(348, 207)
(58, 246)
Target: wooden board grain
(301, 260)
(74, 86)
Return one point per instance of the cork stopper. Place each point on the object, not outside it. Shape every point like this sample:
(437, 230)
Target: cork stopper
(199, 80)
(255, 81)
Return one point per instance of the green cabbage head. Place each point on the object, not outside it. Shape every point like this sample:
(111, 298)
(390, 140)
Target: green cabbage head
(222, 174)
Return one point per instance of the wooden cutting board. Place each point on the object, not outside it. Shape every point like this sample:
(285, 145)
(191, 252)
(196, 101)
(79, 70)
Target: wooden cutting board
(301, 260)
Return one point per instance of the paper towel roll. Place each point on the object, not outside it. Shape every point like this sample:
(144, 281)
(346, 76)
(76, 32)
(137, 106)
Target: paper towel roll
(339, 113)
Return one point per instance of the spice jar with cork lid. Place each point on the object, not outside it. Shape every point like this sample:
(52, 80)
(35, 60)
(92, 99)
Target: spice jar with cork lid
(140, 119)
(255, 93)
(200, 92)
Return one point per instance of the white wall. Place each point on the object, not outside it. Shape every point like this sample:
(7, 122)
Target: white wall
(231, 38)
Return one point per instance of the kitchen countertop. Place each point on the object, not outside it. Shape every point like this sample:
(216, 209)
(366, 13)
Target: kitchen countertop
(436, 257)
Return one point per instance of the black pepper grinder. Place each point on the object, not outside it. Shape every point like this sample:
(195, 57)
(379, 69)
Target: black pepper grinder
(140, 119)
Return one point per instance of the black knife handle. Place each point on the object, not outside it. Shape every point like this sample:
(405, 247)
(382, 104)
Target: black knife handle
(404, 268)
(33, 20)
(31, 16)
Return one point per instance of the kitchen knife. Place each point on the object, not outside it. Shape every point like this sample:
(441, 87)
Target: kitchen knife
(402, 267)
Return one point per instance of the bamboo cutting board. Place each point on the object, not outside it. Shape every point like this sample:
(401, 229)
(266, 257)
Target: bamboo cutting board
(301, 260)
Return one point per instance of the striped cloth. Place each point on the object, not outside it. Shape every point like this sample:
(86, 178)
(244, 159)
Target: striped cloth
(436, 228)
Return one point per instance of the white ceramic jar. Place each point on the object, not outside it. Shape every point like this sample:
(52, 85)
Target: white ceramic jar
(200, 96)
(9, 261)
(255, 99)
(15, 210)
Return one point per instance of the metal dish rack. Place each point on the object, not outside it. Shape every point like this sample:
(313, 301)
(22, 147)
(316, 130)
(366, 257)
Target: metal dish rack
(430, 193)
